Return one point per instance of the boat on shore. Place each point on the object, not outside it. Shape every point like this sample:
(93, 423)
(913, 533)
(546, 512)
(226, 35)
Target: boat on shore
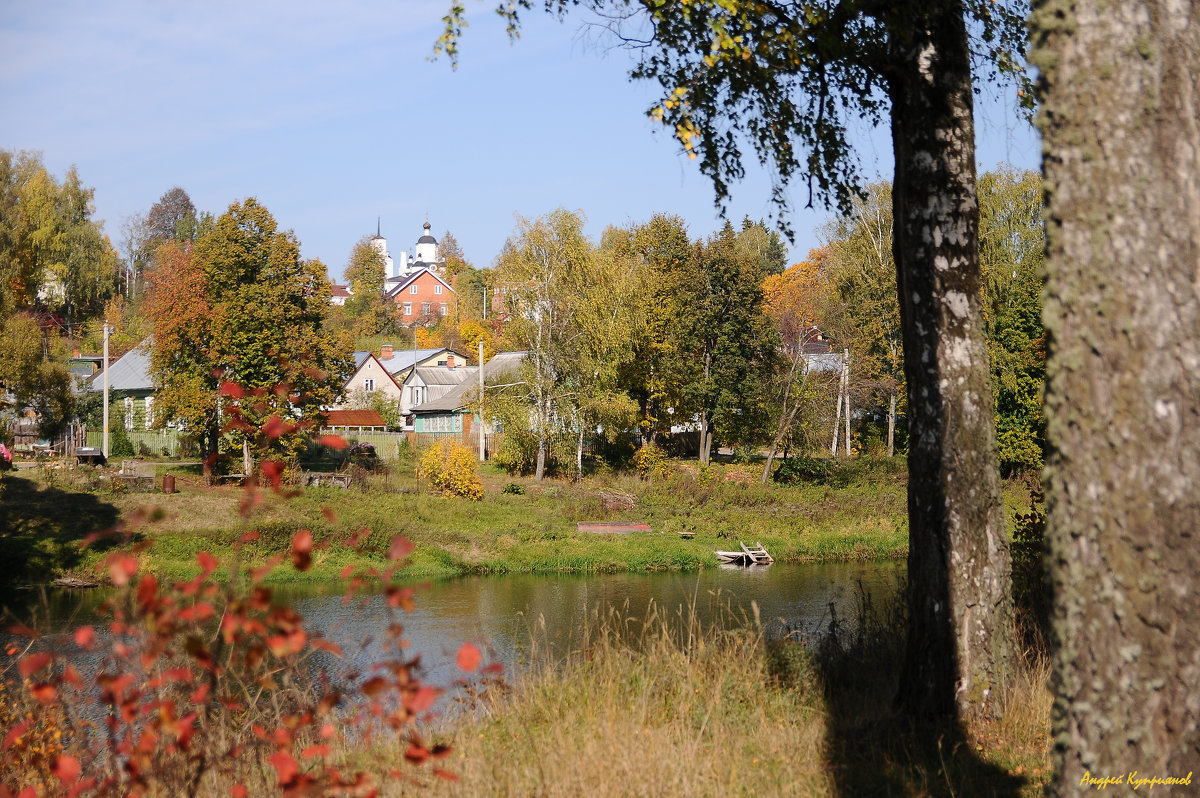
(749, 555)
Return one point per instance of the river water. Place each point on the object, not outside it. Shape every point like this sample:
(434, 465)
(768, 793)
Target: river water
(510, 616)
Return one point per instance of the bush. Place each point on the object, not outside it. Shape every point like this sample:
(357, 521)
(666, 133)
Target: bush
(650, 462)
(796, 470)
(517, 453)
(452, 469)
(119, 444)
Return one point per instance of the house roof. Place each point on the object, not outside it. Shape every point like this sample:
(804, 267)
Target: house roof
(339, 291)
(502, 366)
(411, 278)
(354, 418)
(444, 375)
(130, 372)
(401, 359)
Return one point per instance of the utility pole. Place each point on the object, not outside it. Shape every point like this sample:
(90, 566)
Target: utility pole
(104, 446)
(482, 452)
(846, 390)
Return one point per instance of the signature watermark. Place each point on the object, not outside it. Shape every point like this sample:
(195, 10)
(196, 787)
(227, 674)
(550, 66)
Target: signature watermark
(1134, 780)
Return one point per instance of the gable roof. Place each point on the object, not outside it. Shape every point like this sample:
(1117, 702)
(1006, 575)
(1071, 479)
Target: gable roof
(443, 375)
(401, 359)
(502, 366)
(411, 278)
(130, 372)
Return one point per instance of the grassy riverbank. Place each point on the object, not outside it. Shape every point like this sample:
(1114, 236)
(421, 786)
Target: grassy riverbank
(667, 709)
(858, 513)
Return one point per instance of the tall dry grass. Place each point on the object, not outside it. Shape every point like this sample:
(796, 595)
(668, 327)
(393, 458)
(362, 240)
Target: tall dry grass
(669, 707)
(664, 706)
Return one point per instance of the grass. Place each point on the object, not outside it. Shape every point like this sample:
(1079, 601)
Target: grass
(859, 516)
(668, 707)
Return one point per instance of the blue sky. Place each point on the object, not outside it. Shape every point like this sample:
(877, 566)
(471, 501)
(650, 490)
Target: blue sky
(331, 114)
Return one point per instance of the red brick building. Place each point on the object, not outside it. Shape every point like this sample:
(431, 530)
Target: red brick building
(423, 297)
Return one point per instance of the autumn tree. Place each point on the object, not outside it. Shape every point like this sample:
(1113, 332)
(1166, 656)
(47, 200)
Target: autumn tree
(797, 301)
(172, 218)
(538, 263)
(660, 365)
(863, 270)
(1119, 91)
(241, 308)
(32, 371)
(53, 256)
(371, 309)
(1012, 244)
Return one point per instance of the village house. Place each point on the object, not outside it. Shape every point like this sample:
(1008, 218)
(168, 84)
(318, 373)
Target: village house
(451, 411)
(382, 375)
(129, 379)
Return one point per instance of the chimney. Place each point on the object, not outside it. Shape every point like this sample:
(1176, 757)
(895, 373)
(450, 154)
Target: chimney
(76, 353)
(385, 351)
(450, 361)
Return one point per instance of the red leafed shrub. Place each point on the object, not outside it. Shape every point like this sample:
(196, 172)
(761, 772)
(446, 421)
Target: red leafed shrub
(211, 687)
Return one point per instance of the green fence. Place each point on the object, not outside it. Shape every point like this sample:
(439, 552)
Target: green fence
(146, 443)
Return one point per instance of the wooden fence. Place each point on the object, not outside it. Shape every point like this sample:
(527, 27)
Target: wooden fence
(147, 443)
(390, 445)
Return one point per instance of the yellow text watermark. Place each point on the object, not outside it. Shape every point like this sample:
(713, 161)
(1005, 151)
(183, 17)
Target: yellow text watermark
(1134, 780)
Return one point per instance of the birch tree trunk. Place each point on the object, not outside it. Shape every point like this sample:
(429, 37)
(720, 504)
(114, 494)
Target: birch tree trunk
(892, 425)
(1121, 94)
(960, 607)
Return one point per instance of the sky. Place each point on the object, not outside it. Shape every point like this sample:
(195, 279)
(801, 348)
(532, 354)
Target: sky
(334, 117)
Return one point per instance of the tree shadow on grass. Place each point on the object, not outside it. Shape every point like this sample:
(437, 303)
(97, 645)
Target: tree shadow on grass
(872, 749)
(41, 529)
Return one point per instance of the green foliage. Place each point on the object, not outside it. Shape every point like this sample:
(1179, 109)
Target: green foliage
(53, 255)
(452, 469)
(797, 470)
(241, 307)
(513, 489)
(517, 453)
(1011, 253)
(372, 311)
(33, 377)
(119, 444)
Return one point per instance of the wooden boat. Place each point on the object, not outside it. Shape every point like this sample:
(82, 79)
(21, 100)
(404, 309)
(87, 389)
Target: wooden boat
(756, 555)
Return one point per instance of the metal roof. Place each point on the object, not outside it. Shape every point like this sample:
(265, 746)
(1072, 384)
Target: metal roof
(503, 366)
(130, 372)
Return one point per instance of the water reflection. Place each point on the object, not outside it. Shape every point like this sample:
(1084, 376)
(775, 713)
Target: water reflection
(505, 613)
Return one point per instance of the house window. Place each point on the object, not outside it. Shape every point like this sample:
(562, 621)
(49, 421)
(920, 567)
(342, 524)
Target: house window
(437, 289)
(407, 308)
(149, 412)
(129, 414)
(444, 308)
(425, 308)
(412, 289)
(369, 384)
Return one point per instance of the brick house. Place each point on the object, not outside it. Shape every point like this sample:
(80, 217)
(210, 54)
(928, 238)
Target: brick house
(423, 297)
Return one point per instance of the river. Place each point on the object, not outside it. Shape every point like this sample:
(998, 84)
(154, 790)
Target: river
(510, 616)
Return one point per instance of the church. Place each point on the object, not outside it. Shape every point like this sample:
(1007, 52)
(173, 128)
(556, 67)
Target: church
(417, 284)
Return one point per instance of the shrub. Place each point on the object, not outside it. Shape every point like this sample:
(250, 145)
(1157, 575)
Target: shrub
(795, 470)
(513, 489)
(452, 469)
(211, 687)
(650, 462)
(119, 444)
(517, 453)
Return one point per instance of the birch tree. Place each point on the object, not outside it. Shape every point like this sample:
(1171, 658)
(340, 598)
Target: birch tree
(1121, 91)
